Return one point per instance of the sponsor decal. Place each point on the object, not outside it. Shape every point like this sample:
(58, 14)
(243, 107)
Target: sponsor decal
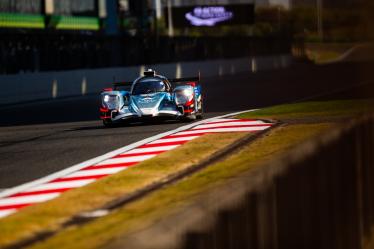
(146, 100)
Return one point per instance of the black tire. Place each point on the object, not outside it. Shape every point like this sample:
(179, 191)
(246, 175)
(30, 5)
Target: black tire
(199, 115)
(108, 123)
(189, 118)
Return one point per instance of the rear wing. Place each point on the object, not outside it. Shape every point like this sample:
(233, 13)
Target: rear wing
(195, 80)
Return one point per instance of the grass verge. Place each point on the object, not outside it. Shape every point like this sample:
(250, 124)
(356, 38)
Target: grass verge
(315, 110)
(107, 231)
(321, 53)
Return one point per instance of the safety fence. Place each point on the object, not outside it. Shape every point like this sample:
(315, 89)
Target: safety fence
(37, 52)
(30, 87)
(320, 195)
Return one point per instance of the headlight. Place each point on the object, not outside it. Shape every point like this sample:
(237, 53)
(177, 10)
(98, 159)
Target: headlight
(106, 98)
(183, 96)
(111, 101)
(188, 92)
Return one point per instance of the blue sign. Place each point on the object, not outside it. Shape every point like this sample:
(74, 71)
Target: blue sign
(208, 15)
(212, 15)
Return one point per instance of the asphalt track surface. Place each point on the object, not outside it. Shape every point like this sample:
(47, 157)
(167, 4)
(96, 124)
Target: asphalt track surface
(38, 139)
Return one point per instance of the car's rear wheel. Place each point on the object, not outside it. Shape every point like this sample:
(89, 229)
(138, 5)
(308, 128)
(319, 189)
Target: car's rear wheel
(200, 111)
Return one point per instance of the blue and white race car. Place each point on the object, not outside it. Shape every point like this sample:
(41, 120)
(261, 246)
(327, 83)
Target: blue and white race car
(152, 96)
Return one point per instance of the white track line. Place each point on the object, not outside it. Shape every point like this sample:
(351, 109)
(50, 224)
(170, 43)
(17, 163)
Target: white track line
(229, 124)
(4, 213)
(27, 199)
(129, 159)
(178, 139)
(96, 160)
(227, 119)
(60, 185)
(151, 149)
(237, 129)
(94, 172)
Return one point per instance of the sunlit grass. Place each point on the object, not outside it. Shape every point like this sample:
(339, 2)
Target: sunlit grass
(315, 109)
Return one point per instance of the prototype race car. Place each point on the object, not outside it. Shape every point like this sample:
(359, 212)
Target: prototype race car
(152, 96)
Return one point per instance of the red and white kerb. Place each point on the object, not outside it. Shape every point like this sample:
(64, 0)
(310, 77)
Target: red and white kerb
(52, 189)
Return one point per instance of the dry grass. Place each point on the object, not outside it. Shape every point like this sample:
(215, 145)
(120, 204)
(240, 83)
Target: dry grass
(325, 52)
(315, 110)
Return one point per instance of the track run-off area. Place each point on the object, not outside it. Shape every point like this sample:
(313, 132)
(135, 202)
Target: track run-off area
(82, 174)
(42, 138)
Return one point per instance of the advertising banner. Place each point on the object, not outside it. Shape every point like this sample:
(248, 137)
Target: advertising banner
(212, 15)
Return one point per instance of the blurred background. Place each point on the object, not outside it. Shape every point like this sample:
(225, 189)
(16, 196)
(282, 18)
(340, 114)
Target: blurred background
(56, 49)
(45, 35)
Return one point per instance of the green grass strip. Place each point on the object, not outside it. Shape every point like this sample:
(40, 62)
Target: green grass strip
(21, 21)
(75, 23)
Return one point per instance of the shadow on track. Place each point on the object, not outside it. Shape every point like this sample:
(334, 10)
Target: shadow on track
(132, 124)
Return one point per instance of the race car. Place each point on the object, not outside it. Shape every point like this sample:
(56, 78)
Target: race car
(152, 96)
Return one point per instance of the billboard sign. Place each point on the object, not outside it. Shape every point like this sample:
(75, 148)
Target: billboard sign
(208, 15)
(21, 14)
(212, 15)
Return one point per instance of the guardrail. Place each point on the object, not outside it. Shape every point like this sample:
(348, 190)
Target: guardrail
(320, 195)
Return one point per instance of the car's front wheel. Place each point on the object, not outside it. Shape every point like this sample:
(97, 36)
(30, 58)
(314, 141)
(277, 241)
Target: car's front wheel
(189, 118)
(107, 122)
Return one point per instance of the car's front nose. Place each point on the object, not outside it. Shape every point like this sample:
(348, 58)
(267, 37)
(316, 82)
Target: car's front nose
(147, 105)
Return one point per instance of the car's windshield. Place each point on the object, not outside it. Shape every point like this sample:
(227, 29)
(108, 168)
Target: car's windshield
(147, 86)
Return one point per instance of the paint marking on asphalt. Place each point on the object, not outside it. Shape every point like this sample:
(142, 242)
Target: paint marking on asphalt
(59, 185)
(218, 130)
(225, 124)
(93, 172)
(178, 139)
(4, 213)
(154, 149)
(126, 159)
(27, 199)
